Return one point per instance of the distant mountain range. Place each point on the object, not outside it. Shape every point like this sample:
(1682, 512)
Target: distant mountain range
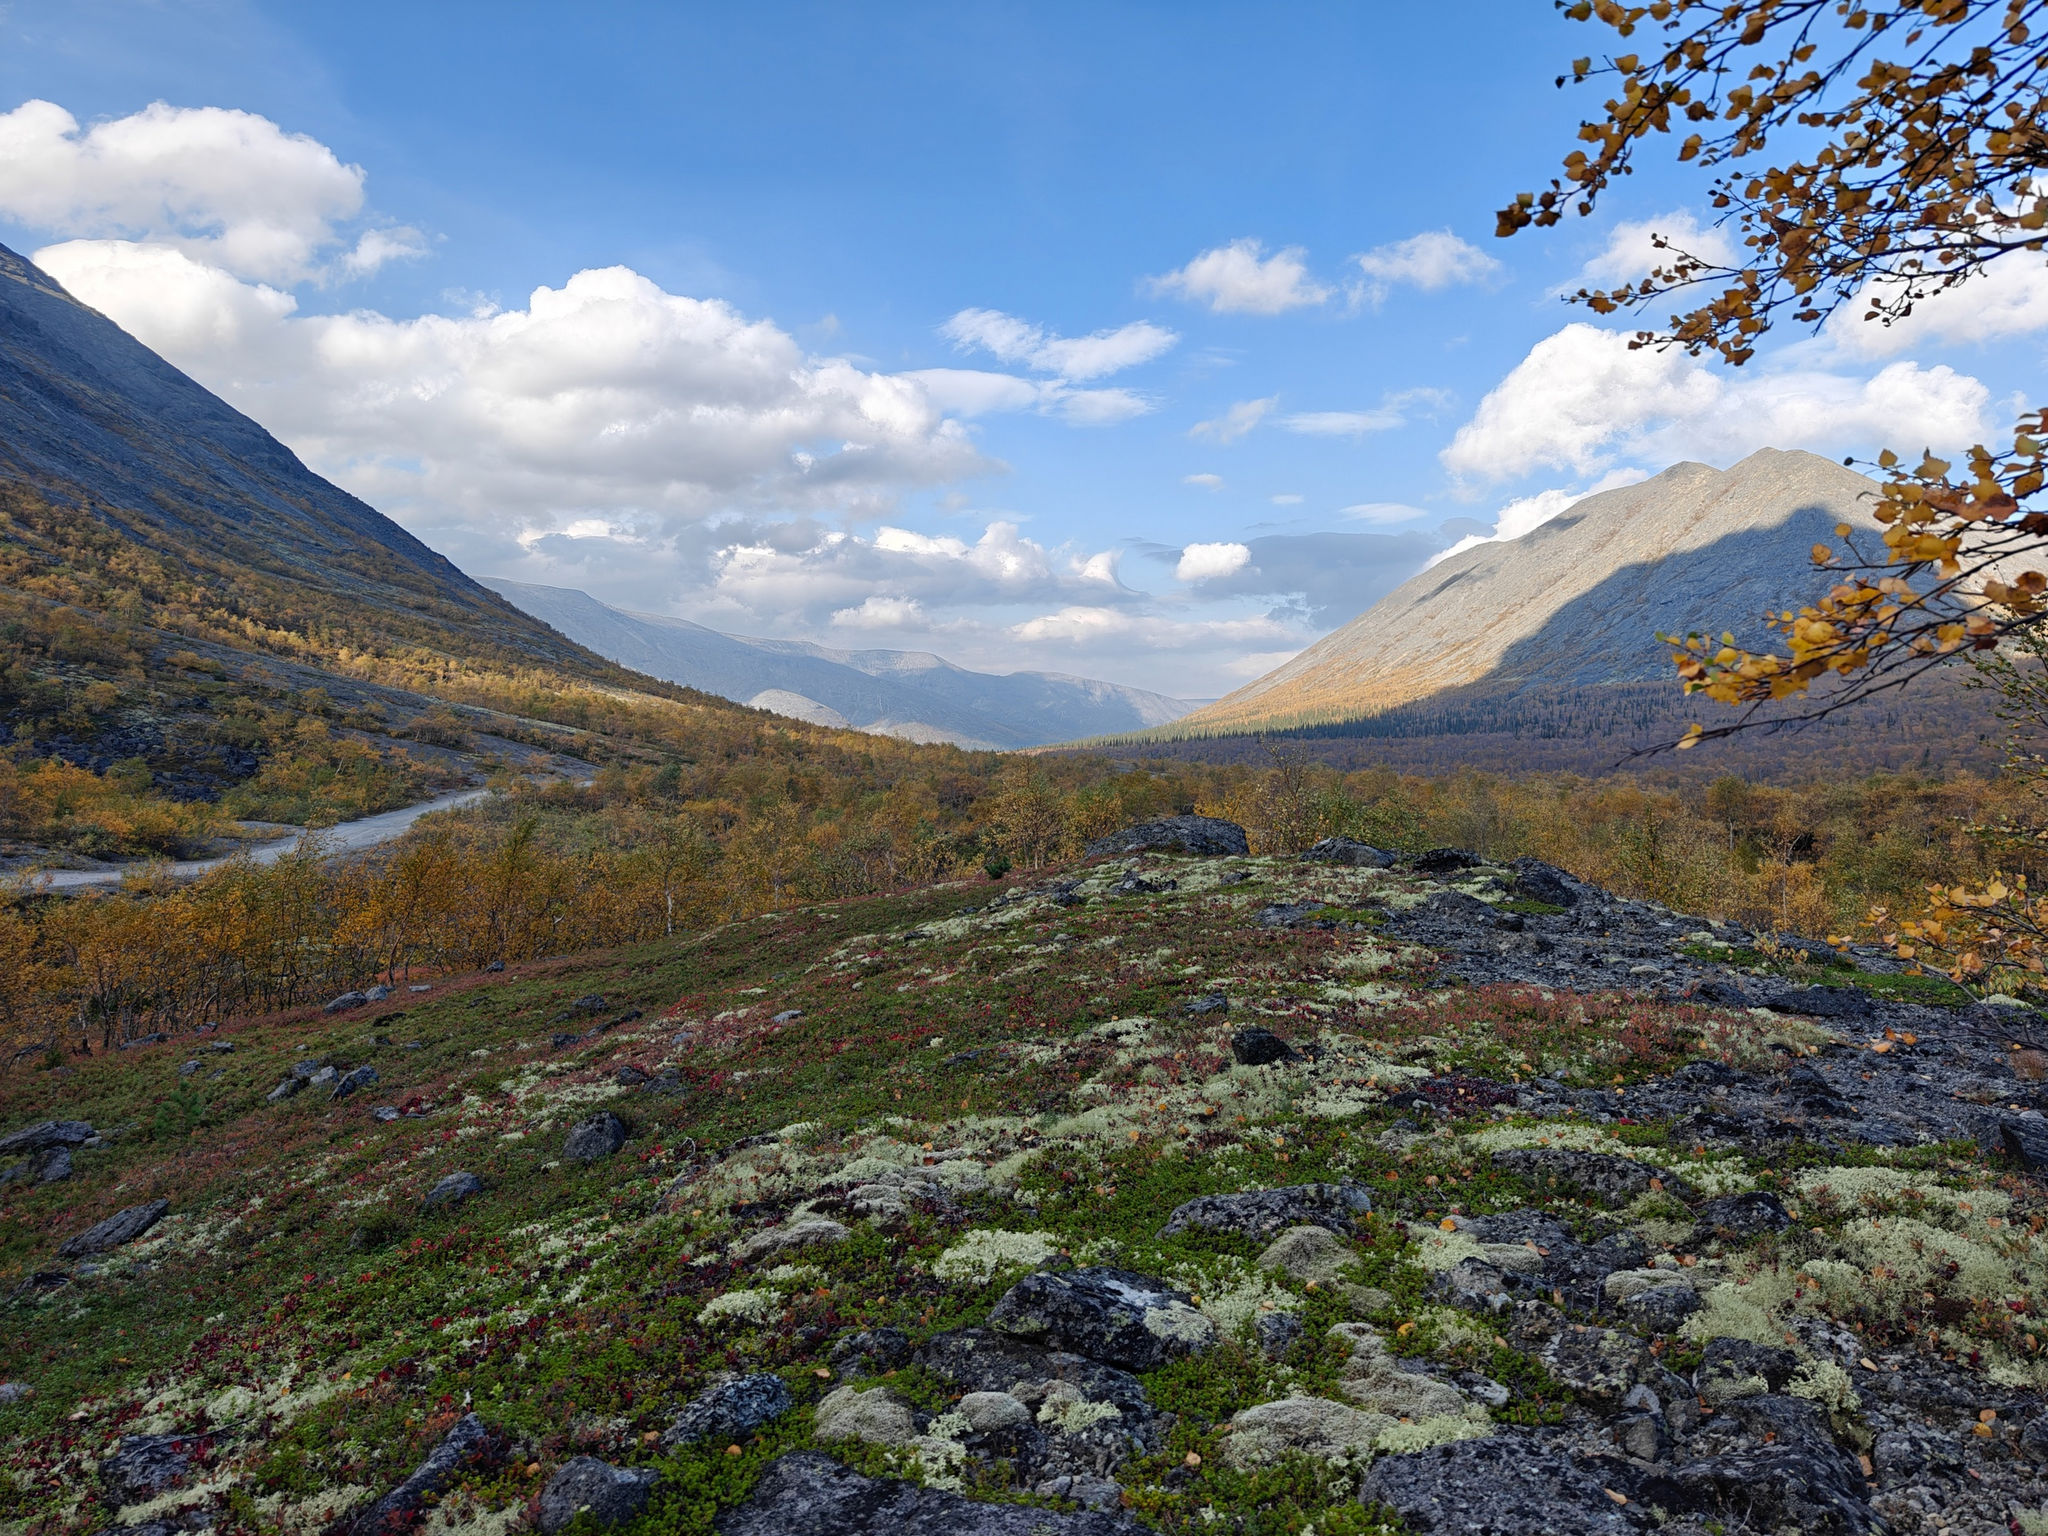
(1541, 651)
(908, 694)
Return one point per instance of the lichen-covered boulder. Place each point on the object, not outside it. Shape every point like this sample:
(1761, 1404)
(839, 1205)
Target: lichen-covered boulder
(1261, 1214)
(1113, 1315)
(1505, 1485)
(809, 1494)
(876, 1416)
(586, 1486)
(603, 1134)
(730, 1411)
(1204, 836)
(1314, 1426)
(121, 1227)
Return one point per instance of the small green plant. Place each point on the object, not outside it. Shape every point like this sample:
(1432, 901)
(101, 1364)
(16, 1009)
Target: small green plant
(996, 865)
(179, 1115)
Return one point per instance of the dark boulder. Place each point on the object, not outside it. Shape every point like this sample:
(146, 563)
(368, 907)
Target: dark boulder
(1850, 1003)
(1740, 1217)
(1293, 914)
(730, 1412)
(1457, 910)
(608, 1494)
(1722, 994)
(807, 1493)
(144, 1466)
(364, 1076)
(46, 1167)
(2026, 1140)
(50, 1133)
(453, 1190)
(1782, 1488)
(1262, 1214)
(1539, 881)
(1113, 1315)
(1257, 1047)
(469, 1445)
(1348, 851)
(1612, 1181)
(121, 1227)
(285, 1090)
(1209, 1002)
(1727, 1363)
(345, 1002)
(871, 1352)
(1204, 836)
(1504, 1485)
(599, 1136)
(1444, 861)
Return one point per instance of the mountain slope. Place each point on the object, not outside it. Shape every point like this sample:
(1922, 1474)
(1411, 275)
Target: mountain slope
(910, 694)
(1575, 603)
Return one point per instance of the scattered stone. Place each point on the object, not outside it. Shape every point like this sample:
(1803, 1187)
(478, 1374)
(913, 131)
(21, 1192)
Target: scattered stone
(1348, 851)
(284, 1090)
(1600, 1363)
(143, 1466)
(16, 1391)
(471, 1443)
(807, 1493)
(453, 1190)
(731, 1411)
(50, 1133)
(377, 993)
(364, 1076)
(602, 1135)
(345, 1002)
(876, 1416)
(789, 1016)
(186, 1069)
(1293, 914)
(385, 1113)
(1475, 1286)
(591, 1004)
(326, 1077)
(1740, 1217)
(157, 1038)
(629, 1077)
(1313, 1426)
(1260, 1047)
(1505, 1485)
(608, 1494)
(808, 1232)
(1261, 1214)
(1113, 1315)
(1783, 1488)
(871, 1352)
(1202, 836)
(2026, 1140)
(1307, 1254)
(121, 1227)
(495, 965)
(46, 1167)
(1210, 1002)
(1851, 1003)
(1613, 1181)
(1380, 1382)
(983, 1360)
(1731, 1369)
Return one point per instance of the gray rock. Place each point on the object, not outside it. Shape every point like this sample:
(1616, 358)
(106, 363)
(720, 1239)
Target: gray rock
(871, 1352)
(308, 1069)
(1445, 861)
(346, 1001)
(385, 1113)
(807, 1232)
(1312, 1426)
(607, 1493)
(1504, 1485)
(1661, 1309)
(1262, 1214)
(1209, 1002)
(121, 1227)
(285, 1090)
(1113, 1315)
(1735, 1368)
(1474, 1285)
(1783, 1488)
(599, 1136)
(1600, 1363)
(1204, 836)
(809, 1494)
(364, 1076)
(453, 1189)
(1740, 1217)
(186, 1069)
(326, 1077)
(1257, 1047)
(1292, 914)
(143, 1466)
(469, 1444)
(46, 1167)
(731, 1411)
(1348, 851)
(40, 1138)
(1276, 1332)
(1849, 1003)
(1612, 1181)
(1539, 881)
(876, 1416)
(376, 994)
(983, 1360)
(15, 1392)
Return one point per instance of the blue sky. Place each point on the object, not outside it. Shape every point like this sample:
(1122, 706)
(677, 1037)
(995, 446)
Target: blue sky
(1142, 342)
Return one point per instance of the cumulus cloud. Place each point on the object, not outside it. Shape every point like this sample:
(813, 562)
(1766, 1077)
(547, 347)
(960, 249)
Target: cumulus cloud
(1632, 252)
(1432, 260)
(1525, 514)
(1204, 562)
(1582, 398)
(1238, 279)
(1234, 423)
(2010, 298)
(1206, 482)
(1394, 410)
(1076, 358)
(231, 189)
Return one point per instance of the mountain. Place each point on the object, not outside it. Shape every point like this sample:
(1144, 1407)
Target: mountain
(908, 694)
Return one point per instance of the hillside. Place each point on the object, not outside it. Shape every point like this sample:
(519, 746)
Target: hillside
(908, 694)
(1184, 1194)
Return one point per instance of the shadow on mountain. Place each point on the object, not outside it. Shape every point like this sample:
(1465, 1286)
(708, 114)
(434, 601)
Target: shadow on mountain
(1593, 686)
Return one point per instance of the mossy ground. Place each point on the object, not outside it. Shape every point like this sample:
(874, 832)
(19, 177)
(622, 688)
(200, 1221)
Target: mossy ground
(299, 1304)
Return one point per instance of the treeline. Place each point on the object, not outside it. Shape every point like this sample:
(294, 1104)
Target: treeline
(647, 851)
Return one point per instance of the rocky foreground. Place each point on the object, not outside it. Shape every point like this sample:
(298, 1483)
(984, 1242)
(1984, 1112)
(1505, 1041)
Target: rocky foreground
(1422, 1194)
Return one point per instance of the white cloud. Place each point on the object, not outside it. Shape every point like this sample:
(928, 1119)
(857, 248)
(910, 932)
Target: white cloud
(1582, 398)
(230, 189)
(883, 613)
(2009, 299)
(1205, 562)
(1081, 625)
(971, 392)
(1285, 499)
(1342, 423)
(1237, 279)
(1631, 251)
(1206, 482)
(1429, 261)
(1525, 514)
(1076, 358)
(1234, 423)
